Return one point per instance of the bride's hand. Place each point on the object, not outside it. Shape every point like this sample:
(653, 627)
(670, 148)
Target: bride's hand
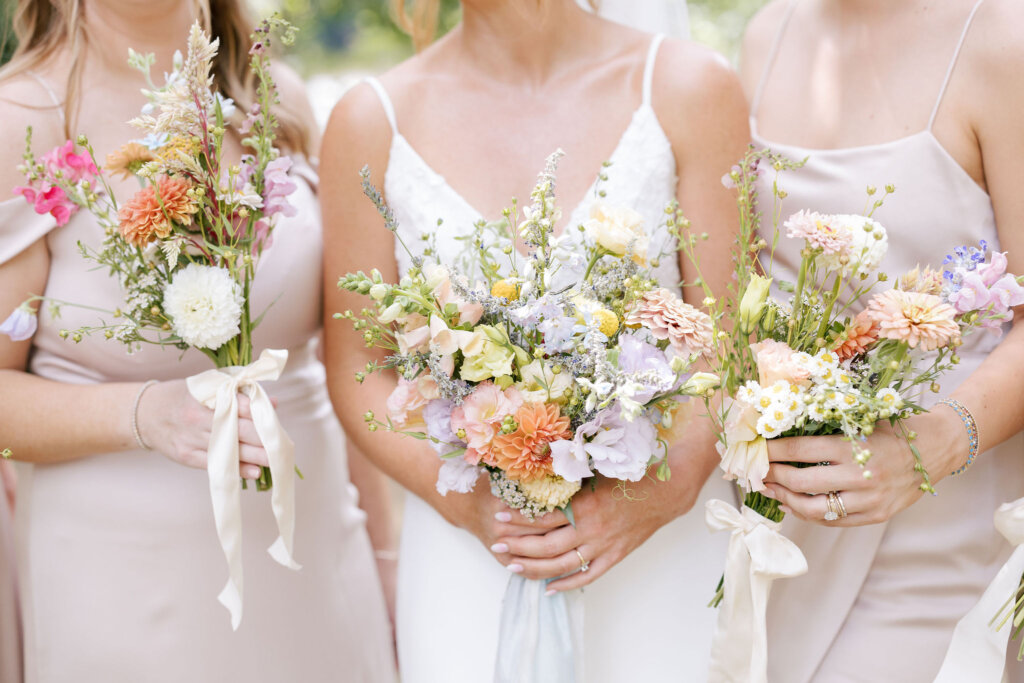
(174, 424)
(612, 520)
(491, 520)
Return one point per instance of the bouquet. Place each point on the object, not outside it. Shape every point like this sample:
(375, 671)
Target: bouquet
(540, 371)
(803, 364)
(185, 250)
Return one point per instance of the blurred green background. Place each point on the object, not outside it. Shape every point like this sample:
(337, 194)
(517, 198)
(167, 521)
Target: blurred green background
(340, 36)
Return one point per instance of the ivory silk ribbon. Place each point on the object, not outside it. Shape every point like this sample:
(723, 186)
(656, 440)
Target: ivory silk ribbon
(541, 637)
(758, 554)
(978, 651)
(218, 389)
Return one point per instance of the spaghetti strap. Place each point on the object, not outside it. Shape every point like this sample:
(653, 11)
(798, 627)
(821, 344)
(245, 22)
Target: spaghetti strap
(49, 91)
(952, 63)
(385, 101)
(652, 55)
(756, 101)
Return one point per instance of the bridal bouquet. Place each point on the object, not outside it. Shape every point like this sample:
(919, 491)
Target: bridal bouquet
(803, 364)
(185, 250)
(538, 386)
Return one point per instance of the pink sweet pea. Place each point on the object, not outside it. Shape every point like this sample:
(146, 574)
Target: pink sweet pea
(991, 272)
(74, 167)
(49, 200)
(973, 294)
(277, 186)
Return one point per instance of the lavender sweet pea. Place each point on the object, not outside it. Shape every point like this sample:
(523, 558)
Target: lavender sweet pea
(21, 324)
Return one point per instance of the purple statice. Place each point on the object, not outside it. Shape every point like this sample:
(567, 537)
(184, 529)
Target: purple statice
(617, 447)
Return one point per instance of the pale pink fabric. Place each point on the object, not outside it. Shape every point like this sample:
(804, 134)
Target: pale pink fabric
(120, 565)
(879, 603)
(10, 622)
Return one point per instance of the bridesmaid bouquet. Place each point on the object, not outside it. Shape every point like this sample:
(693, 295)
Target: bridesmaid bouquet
(185, 249)
(805, 365)
(536, 386)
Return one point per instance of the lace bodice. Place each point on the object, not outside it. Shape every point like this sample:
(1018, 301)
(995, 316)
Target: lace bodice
(642, 176)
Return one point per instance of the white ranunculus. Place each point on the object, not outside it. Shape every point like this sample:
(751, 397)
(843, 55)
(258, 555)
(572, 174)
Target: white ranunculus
(205, 306)
(618, 230)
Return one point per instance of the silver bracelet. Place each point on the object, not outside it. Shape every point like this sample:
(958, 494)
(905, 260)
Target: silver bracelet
(135, 415)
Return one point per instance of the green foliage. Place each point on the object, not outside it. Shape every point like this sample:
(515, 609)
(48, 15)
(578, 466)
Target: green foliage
(7, 42)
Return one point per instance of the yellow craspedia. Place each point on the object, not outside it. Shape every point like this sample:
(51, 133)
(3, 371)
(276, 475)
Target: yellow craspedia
(508, 288)
(609, 322)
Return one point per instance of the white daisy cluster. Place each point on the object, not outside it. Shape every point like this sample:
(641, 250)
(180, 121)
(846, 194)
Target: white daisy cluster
(829, 393)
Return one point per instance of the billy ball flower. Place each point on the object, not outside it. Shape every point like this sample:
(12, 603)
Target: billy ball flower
(204, 305)
(150, 214)
(669, 317)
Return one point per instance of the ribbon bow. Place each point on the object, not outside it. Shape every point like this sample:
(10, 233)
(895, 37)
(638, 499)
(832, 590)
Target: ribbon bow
(978, 650)
(758, 554)
(218, 389)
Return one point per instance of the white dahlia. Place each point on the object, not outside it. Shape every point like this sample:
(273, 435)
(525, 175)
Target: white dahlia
(205, 306)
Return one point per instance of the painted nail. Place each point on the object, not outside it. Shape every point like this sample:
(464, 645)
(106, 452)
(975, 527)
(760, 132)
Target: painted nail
(499, 548)
(516, 568)
(550, 593)
(503, 516)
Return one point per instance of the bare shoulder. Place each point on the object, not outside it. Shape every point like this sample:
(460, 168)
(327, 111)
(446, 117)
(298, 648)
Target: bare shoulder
(996, 42)
(358, 134)
(695, 87)
(24, 104)
(758, 38)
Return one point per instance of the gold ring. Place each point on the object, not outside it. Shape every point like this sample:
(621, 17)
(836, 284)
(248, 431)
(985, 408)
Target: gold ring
(832, 513)
(839, 503)
(584, 565)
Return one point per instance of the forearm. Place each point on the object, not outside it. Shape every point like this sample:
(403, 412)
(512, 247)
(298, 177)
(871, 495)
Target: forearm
(374, 498)
(48, 422)
(692, 461)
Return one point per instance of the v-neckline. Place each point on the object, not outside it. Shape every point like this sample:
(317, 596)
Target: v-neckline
(398, 138)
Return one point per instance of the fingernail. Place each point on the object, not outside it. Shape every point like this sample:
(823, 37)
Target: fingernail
(516, 568)
(503, 516)
(499, 548)
(550, 593)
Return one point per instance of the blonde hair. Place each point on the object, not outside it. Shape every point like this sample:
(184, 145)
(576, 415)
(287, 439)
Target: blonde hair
(43, 27)
(421, 21)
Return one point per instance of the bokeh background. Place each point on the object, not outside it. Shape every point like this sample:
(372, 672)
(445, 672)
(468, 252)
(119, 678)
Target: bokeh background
(341, 40)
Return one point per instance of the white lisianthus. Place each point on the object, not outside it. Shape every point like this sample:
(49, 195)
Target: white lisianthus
(618, 230)
(205, 306)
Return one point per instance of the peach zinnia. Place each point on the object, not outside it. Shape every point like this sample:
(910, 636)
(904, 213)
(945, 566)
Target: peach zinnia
(669, 317)
(856, 338)
(914, 317)
(525, 454)
(143, 219)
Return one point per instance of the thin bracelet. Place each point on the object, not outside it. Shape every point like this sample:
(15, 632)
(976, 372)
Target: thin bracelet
(135, 415)
(972, 431)
(386, 555)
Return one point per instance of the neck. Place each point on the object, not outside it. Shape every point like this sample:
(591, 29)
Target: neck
(522, 40)
(157, 26)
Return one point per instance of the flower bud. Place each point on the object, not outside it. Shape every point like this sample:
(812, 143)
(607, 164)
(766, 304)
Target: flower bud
(752, 303)
(378, 291)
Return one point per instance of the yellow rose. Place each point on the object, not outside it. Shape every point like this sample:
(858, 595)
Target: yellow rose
(618, 230)
(488, 354)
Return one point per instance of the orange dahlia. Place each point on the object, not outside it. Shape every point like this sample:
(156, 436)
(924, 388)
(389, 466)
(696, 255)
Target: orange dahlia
(856, 338)
(143, 219)
(525, 454)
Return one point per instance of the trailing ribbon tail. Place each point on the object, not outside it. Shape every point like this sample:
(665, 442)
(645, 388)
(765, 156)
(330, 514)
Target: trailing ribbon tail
(218, 389)
(978, 650)
(758, 554)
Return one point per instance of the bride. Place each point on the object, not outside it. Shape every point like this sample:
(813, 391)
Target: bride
(453, 134)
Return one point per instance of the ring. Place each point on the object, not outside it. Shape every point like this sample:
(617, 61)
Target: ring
(831, 514)
(839, 504)
(584, 565)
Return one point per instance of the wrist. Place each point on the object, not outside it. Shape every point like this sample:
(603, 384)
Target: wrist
(943, 441)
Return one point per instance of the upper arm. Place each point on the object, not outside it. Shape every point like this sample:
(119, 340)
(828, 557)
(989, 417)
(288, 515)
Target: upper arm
(999, 122)
(357, 135)
(22, 104)
(705, 118)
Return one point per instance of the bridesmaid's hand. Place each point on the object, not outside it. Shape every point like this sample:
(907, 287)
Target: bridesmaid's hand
(893, 485)
(612, 520)
(173, 423)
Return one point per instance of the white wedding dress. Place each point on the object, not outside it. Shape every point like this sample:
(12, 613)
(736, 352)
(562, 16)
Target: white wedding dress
(646, 619)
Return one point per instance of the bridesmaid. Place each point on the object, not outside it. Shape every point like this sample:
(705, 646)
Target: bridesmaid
(119, 561)
(926, 96)
(454, 133)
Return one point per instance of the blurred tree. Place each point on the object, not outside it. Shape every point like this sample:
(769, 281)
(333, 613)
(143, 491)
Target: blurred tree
(7, 43)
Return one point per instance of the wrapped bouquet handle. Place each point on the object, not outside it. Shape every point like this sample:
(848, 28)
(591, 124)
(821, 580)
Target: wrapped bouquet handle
(978, 650)
(218, 389)
(758, 554)
(541, 636)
